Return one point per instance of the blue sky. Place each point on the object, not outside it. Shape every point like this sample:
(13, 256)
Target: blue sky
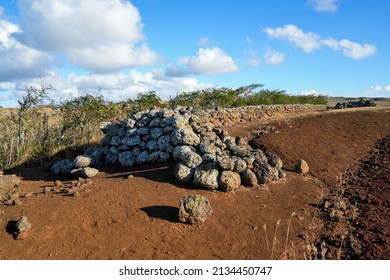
(333, 47)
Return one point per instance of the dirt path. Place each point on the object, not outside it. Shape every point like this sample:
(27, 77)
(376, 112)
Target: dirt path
(117, 217)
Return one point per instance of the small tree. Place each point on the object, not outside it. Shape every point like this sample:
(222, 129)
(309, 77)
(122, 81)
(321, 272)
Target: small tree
(26, 116)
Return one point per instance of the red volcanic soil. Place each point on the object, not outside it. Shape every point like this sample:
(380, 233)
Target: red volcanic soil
(120, 217)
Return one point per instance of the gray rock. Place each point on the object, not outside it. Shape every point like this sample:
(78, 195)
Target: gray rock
(209, 158)
(281, 174)
(159, 157)
(229, 180)
(122, 132)
(126, 159)
(265, 173)
(186, 155)
(143, 157)
(239, 165)
(156, 132)
(184, 136)
(142, 145)
(274, 160)
(302, 167)
(144, 121)
(8, 182)
(167, 113)
(110, 159)
(95, 155)
(248, 178)
(166, 122)
(194, 209)
(258, 155)
(131, 132)
(180, 121)
(105, 141)
(146, 138)
(22, 225)
(122, 148)
(164, 144)
(206, 147)
(127, 123)
(169, 129)
(116, 140)
(112, 129)
(249, 161)
(156, 122)
(143, 131)
(137, 150)
(182, 172)
(177, 151)
(241, 151)
(62, 167)
(113, 150)
(89, 172)
(206, 176)
(225, 163)
(153, 113)
(132, 141)
(152, 146)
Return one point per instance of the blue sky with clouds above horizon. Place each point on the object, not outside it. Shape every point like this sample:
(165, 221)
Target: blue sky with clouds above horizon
(333, 47)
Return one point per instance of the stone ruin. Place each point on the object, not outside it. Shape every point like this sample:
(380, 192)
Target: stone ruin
(354, 104)
(204, 153)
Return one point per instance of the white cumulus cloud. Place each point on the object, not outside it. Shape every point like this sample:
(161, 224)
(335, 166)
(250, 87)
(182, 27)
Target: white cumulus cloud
(328, 6)
(114, 87)
(18, 61)
(96, 35)
(273, 57)
(309, 41)
(351, 49)
(379, 89)
(209, 61)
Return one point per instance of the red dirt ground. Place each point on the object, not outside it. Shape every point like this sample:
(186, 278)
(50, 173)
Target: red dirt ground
(117, 217)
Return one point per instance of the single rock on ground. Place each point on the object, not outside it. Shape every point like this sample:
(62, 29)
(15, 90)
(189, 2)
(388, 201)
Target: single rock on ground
(90, 172)
(302, 167)
(7, 182)
(194, 209)
(22, 224)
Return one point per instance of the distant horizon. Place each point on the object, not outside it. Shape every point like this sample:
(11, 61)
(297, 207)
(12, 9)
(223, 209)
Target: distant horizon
(329, 47)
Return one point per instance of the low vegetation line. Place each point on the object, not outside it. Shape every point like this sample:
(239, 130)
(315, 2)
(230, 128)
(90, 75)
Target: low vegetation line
(35, 131)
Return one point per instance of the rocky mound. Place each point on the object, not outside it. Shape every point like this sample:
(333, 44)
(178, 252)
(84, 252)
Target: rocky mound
(206, 155)
(354, 104)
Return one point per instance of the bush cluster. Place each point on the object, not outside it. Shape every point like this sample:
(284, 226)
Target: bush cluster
(34, 132)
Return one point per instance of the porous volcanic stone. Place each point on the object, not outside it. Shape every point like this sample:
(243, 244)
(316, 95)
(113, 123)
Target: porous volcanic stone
(194, 209)
(182, 172)
(82, 161)
(302, 167)
(249, 178)
(89, 172)
(206, 176)
(22, 225)
(184, 136)
(8, 182)
(229, 180)
(187, 155)
(225, 163)
(265, 173)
